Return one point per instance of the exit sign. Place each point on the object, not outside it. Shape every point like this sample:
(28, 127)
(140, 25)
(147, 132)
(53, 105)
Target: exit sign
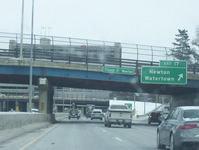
(173, 63)
(164, 75)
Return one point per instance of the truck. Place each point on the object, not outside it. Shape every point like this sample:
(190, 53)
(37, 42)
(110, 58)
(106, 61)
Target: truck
(119, 115)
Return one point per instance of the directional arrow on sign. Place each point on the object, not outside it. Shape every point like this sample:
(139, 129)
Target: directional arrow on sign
(180, 76)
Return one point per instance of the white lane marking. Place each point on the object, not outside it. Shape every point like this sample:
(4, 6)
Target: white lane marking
(37, 138)
(117, 138)
(104, 131)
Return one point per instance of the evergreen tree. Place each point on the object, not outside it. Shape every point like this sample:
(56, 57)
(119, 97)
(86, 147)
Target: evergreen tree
(182, 50)
(195, 43)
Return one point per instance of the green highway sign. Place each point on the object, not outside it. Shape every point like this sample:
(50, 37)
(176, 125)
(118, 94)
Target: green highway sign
(118, 70)
(129, 105)
(164, 75)
(173, 63)
(102, 100)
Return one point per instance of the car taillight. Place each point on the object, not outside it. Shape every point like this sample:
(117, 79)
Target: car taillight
(109, 115)
(131, 115)
(187, 126)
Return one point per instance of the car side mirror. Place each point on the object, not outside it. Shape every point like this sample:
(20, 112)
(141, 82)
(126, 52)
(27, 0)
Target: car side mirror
(161, 118)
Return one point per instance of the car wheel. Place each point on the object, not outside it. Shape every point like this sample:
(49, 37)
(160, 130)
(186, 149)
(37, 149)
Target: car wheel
(172, 143)
(125, 125)
(105, 124)
(129, 125)
(159, 145)
(108, 124)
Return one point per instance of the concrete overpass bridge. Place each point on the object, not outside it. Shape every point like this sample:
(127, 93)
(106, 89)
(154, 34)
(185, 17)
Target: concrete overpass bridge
(78, 63)
(87, 76)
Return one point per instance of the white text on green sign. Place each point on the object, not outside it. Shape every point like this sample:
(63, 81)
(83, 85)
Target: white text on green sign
(163, 75)
(118, 70)
(173, 63)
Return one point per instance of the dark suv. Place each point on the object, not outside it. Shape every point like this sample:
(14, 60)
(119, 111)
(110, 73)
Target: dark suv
(74, 113)
(153, 117)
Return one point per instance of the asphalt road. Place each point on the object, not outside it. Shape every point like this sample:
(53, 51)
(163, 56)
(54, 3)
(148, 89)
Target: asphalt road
(82, 135)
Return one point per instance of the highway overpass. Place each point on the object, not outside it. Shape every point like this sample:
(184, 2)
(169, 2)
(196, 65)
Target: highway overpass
(88, 77)
(78, 63)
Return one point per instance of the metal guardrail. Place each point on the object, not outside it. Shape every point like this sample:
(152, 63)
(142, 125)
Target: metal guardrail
(84, 51)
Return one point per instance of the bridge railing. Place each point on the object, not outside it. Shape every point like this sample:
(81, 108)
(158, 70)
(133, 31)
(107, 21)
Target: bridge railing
(84, 51)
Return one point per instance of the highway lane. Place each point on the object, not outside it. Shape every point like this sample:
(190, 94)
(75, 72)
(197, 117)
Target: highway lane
(81, 135)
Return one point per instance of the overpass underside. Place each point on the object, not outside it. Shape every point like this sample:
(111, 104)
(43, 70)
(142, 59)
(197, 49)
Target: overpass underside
(84, 76)
(87, 83)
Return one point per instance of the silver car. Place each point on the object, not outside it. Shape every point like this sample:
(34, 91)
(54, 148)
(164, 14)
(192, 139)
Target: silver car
(180, 129)
(97, 114)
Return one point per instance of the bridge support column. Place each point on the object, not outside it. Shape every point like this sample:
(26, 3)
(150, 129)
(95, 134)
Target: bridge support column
(1, 106)
(46, 92)
(191, 99)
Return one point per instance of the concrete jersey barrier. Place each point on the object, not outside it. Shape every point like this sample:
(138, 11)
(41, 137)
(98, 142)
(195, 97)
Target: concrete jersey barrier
(15, 120)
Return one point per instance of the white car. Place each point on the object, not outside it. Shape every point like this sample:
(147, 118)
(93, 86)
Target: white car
(34, 110)
(97, 114)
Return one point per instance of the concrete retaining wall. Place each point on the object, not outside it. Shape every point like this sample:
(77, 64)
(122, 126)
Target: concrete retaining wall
(15, 120)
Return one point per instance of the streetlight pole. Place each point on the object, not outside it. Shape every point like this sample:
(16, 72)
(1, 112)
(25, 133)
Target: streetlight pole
(31, 55)
(134, 100)
(21, 40)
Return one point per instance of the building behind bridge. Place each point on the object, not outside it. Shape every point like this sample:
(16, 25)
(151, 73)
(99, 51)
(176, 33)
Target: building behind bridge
(71, 51)
(15, 97)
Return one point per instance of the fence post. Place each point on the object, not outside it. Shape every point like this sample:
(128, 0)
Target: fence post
(194, 69)
(52, 50)
(137, 68)
(87, 52)
(104, 54)
(137, 51)
(152, 53)
(69, 55)
(16, 52)
(34, 48)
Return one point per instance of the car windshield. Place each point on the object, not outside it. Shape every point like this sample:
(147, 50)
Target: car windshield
(192, 114)
(156, 114)
(97, 112)
(118, 107)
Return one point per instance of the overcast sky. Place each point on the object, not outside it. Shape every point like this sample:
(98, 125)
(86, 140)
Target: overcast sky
(148, 22)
